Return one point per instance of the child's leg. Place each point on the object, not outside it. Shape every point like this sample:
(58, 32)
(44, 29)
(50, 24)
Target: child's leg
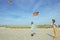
(32, 32)
(55, 32)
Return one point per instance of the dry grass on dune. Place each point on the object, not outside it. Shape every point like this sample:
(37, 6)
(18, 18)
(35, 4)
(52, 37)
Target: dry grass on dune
(38, 26)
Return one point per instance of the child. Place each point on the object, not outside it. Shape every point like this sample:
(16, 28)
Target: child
(54, 28)
(32, 28)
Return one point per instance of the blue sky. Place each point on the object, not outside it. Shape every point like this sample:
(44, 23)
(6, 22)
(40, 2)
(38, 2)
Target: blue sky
(20, 12)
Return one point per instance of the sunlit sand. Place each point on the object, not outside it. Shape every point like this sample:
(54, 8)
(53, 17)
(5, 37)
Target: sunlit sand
(25, 34)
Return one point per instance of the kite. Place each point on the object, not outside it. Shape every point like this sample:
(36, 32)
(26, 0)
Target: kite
(10, 2)
(35, 13)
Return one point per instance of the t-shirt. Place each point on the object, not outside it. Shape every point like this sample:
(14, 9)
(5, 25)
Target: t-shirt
(54, 25)
(33, 27)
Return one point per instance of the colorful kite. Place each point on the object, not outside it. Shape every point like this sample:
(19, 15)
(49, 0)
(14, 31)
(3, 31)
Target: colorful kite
(10, 2)
(35, 13)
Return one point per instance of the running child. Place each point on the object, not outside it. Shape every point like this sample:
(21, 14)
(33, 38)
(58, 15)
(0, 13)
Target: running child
(54, 28)
(32, 28)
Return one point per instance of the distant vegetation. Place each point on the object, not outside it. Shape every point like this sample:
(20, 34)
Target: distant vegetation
(38, 26)
(44, 26)
(58, 25)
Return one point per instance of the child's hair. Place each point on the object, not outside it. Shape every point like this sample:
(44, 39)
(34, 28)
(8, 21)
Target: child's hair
(53, 21)
(32, 22)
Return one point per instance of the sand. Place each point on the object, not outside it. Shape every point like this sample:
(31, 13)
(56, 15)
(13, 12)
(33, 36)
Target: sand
(25, 34)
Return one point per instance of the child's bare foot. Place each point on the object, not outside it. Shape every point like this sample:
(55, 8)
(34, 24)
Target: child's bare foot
(32, 34)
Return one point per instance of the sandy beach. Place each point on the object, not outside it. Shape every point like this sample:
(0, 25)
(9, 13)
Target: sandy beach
(25, 34)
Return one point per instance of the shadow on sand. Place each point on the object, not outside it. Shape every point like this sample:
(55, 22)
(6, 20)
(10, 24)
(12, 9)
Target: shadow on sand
(52, 36)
